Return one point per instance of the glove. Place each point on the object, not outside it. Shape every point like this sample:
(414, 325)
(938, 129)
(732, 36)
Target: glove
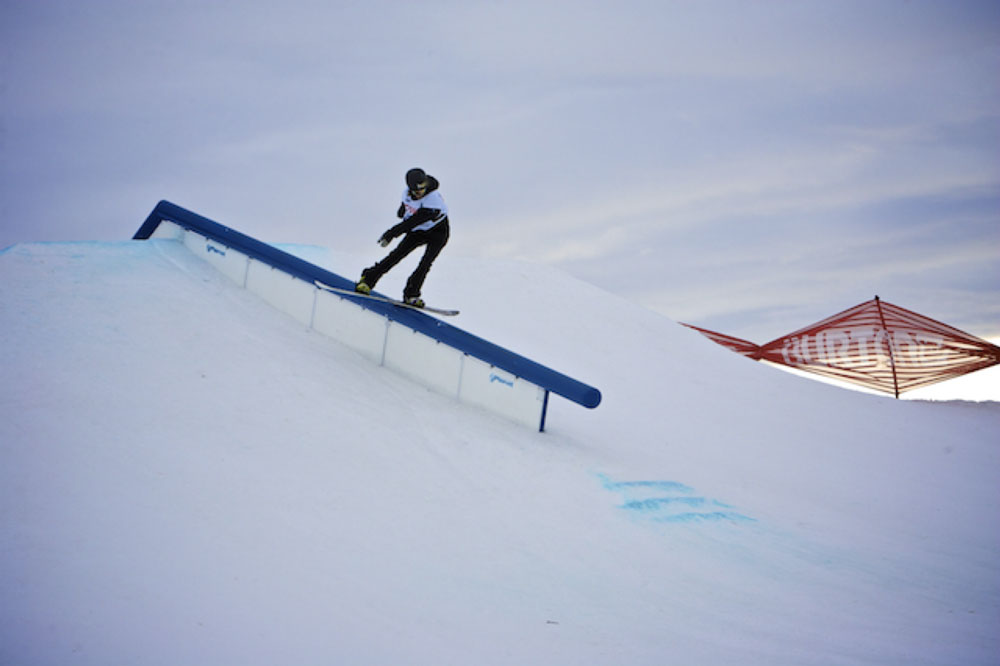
(384, 241)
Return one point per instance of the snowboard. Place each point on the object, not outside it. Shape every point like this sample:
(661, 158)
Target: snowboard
(385, 299)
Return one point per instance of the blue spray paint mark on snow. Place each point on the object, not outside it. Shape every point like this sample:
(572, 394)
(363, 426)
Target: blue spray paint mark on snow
(624, 486)
(670, 502)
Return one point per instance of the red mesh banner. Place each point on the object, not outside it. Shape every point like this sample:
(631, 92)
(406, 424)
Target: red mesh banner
(739, 346)
(876, 344)
(884, 347)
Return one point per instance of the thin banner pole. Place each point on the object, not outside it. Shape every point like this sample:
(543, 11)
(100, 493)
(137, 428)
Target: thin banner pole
(889, 341)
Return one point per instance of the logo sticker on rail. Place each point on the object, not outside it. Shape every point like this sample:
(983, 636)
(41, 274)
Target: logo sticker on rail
(494, 377)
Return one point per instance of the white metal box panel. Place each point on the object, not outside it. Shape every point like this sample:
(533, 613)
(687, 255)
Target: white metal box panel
(349, 323)
(423, 359)
(288, 294)
(501, 392)
(168, 231)
(231, 263)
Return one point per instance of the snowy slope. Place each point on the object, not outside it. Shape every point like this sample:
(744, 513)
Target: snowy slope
(190, 477)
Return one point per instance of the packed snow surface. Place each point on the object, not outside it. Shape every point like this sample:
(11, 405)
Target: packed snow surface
(188, 476)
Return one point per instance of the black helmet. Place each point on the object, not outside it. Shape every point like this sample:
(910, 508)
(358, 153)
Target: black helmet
(415, 178)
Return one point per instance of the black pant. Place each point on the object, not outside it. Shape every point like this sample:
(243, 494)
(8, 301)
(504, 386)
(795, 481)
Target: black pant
(434, 238)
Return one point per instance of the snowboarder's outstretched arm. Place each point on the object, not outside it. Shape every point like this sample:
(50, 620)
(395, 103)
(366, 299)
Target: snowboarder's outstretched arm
(407, 225)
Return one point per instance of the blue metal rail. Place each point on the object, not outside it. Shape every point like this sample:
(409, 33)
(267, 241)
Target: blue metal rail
(486, 351)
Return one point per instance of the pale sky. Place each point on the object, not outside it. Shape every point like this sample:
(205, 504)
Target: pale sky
(745, 166)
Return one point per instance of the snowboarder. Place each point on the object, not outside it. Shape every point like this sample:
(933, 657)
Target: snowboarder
(424, 218)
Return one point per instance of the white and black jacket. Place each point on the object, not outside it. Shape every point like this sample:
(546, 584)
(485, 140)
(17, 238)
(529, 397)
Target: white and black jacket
(420, 214)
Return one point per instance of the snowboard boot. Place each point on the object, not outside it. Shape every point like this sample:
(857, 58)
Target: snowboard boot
(362, 287)
(415, 301)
